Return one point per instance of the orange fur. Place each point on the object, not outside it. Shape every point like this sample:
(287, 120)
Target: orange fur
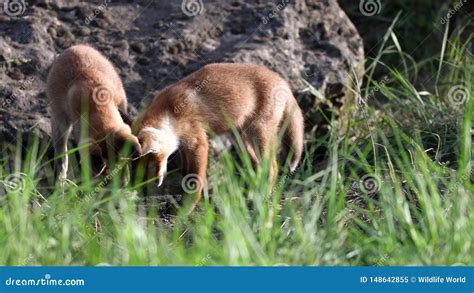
(86, 93)
(253, 99)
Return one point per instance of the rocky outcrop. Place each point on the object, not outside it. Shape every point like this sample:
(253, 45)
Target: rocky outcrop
(155, 43)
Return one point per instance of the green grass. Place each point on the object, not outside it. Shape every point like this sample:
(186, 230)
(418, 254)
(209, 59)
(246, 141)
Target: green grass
(413, 151)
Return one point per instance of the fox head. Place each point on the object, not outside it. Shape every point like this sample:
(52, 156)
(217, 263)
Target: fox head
(159, 143)
(122, 143)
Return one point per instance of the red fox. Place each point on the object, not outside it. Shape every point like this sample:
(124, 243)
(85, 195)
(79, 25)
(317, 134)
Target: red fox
(85, 92)
(216, 98)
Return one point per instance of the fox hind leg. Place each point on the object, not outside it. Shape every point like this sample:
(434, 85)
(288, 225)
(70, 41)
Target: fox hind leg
(196, 154)
(260, 136)
(250, 147)
(60, 131)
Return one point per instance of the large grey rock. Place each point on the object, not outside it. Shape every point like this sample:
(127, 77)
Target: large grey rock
(154, 44)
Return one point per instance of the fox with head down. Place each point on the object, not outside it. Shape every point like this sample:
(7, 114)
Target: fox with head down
(85, 93)
(215, 99)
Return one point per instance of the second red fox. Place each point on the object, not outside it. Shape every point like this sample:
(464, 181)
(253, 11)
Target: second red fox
(253, 99)
(79, 76)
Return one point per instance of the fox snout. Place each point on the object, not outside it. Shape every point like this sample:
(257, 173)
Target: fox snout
(122, 145)
(134, 146)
